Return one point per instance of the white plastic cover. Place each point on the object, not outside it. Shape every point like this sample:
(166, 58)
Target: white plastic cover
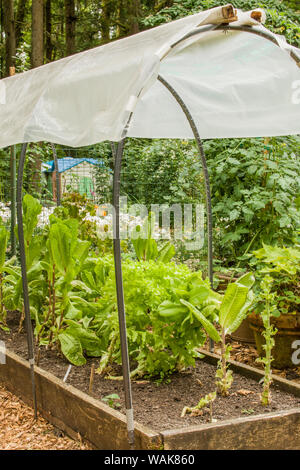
(235, 85)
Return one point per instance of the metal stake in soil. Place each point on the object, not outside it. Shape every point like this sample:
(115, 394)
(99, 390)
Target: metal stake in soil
(120, 293)
(24, 275)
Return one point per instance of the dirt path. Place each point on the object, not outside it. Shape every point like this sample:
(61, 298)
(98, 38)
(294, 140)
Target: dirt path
(19, 431)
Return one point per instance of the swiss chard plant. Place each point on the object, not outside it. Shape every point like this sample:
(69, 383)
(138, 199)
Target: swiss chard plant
(235, 305)
(145, 245)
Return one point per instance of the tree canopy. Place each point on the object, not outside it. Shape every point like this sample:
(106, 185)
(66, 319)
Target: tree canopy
(40, 31)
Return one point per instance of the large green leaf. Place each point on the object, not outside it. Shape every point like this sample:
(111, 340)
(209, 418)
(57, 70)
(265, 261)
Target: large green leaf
(172, 311)
(246, 280)
(203, 295)
(209, 327)
(166, 253)
(90, 343)
(61, 244)
(3, 245)
(242, 314)
(232, 305)
(71, 348)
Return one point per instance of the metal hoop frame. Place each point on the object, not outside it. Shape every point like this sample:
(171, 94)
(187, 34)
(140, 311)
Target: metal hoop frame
(118, 153)
(19, 200)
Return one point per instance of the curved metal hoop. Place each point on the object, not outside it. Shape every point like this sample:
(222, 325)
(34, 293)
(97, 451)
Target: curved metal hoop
(232, 27)
(205, 172)
(19, 200)
(118, 153)
(24, 274)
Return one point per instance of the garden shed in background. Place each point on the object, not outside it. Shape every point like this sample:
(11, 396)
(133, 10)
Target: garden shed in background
(76, 174)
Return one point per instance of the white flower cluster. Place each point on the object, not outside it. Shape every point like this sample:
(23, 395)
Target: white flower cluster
(128, 224)
(4, 212)
(104, 224)
(43, 218)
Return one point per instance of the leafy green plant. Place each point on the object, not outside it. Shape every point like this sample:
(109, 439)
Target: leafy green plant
(283, 265)
(237, 299)
(160, 342)
(254, 188)
(3, 246)
(145, 245)
(203, 403)
(269, 331)
(112, 400)
(231, 308)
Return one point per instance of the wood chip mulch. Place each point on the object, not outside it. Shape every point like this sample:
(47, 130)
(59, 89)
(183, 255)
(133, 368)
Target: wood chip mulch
(247, 354)
(19, 430)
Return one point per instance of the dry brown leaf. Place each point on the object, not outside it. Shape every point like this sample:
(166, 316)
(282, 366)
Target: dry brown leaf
(245, 392)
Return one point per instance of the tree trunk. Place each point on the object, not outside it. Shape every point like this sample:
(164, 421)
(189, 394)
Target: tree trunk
(48, 21)
(134, 15)
(160, 4)
(37, 59)
(10, 37)
(37, 38)
(19, 21)
(105, 22)
(70, 26)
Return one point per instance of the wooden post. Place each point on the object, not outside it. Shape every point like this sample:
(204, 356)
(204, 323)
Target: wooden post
(13, 177)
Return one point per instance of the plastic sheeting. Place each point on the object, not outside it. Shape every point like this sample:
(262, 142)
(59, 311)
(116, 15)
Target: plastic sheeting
(235, 85)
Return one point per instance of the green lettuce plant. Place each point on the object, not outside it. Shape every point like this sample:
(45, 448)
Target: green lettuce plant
(229, 309)
(158, 344)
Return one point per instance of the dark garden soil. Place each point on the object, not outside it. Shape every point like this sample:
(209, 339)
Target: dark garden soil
(159, 405)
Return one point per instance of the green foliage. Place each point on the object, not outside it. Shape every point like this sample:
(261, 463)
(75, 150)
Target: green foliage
(204, 402)
(145, 246)
(159, 345)
(236, 302)
(235, 305)
(162, 172)
(283, 266)
(112, 400)
(269, 331)
(254, 194)
(254, 185)
(281, 18)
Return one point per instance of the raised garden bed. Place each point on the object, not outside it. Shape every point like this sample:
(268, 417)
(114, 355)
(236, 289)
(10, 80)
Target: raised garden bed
(242, 423)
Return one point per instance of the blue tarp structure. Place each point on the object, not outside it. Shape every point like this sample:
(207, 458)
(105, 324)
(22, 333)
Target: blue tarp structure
(67, 163)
